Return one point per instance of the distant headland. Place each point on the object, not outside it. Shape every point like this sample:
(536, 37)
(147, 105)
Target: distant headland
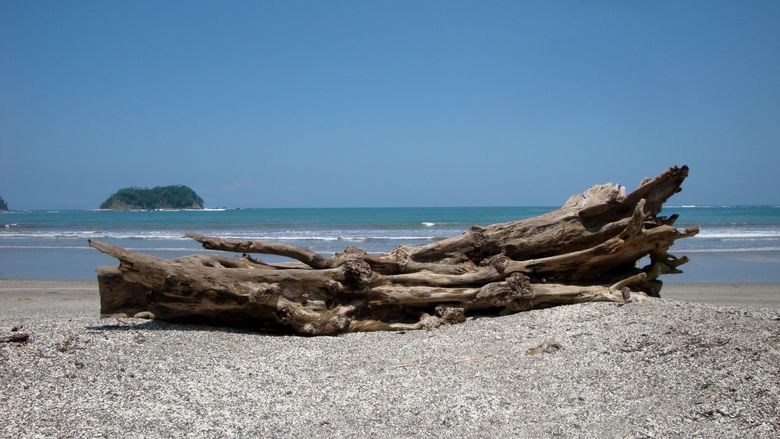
(3, 206)
(160, 197)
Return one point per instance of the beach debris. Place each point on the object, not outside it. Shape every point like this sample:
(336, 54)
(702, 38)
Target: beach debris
(547, 347)
(587, 250)
(16, 337)
(68, 343)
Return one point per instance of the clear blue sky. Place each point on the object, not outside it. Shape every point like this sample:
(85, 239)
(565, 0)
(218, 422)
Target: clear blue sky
(399, 103)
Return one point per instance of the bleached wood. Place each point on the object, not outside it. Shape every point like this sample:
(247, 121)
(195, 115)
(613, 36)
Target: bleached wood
(585, 251)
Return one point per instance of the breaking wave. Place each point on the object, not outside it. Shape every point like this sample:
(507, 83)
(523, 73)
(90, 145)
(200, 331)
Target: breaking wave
(176, 236)
(739, 233)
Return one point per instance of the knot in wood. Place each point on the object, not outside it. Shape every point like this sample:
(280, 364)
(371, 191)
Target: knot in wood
(336, 324)
(450, 314)
(358, 274)
(478, 235)
(262, 290)
(401, 255)
(174, 282)
(350, 253)
(170, 281)
(499, 262)
(333, 287)
(521, 284)
(429, 322)
(283, 313)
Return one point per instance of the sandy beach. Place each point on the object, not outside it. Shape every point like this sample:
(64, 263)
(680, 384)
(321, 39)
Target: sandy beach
(667, 368)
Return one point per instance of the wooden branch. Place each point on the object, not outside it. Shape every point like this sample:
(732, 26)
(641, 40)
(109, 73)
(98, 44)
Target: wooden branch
(308, 257)
(584, 221)
(396, 261)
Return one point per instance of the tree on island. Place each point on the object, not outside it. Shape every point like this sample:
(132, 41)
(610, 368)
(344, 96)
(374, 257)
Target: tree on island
(3, 206)
(160, 197)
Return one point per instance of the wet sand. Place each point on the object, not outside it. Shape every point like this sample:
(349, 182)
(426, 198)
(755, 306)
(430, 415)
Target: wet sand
(763, 295)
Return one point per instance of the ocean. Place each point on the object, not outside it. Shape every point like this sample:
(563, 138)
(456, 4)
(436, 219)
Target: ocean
(736, 243)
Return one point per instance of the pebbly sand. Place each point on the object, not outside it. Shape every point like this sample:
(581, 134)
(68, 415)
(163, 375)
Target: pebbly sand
(667, 368)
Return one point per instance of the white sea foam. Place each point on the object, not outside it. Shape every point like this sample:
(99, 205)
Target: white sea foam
(400, 238)
(749, 239)
(739, 233)
(166, 249)
(198, 249)
(730, 250)
(704, 206)
(90, 234)
(428, 224)
(84, 247)
(45, 247)
(177, 236)
(16, 231)
(205, 209)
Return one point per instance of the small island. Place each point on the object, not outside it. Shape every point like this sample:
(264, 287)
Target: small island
(160, 197)
(3, 206)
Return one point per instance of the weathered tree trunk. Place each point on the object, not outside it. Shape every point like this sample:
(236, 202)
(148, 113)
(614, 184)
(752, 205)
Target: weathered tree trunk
(585, 251)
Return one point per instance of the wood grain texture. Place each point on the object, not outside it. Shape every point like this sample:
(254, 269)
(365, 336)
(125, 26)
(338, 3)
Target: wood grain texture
(585, 251)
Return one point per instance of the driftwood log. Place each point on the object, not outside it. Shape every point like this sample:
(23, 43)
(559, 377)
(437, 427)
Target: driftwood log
(587, 250)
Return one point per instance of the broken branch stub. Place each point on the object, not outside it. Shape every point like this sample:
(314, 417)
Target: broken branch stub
(587, 250)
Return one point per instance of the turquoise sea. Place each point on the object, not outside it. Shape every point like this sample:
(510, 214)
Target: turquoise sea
(736, 243)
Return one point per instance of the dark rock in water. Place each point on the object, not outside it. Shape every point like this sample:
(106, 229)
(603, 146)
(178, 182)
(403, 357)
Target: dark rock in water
(160, 197)
(3, 206)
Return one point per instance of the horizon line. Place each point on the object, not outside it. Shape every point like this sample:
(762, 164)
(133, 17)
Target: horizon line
(220, 208)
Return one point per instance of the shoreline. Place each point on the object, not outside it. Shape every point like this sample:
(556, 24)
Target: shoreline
(726, 267)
